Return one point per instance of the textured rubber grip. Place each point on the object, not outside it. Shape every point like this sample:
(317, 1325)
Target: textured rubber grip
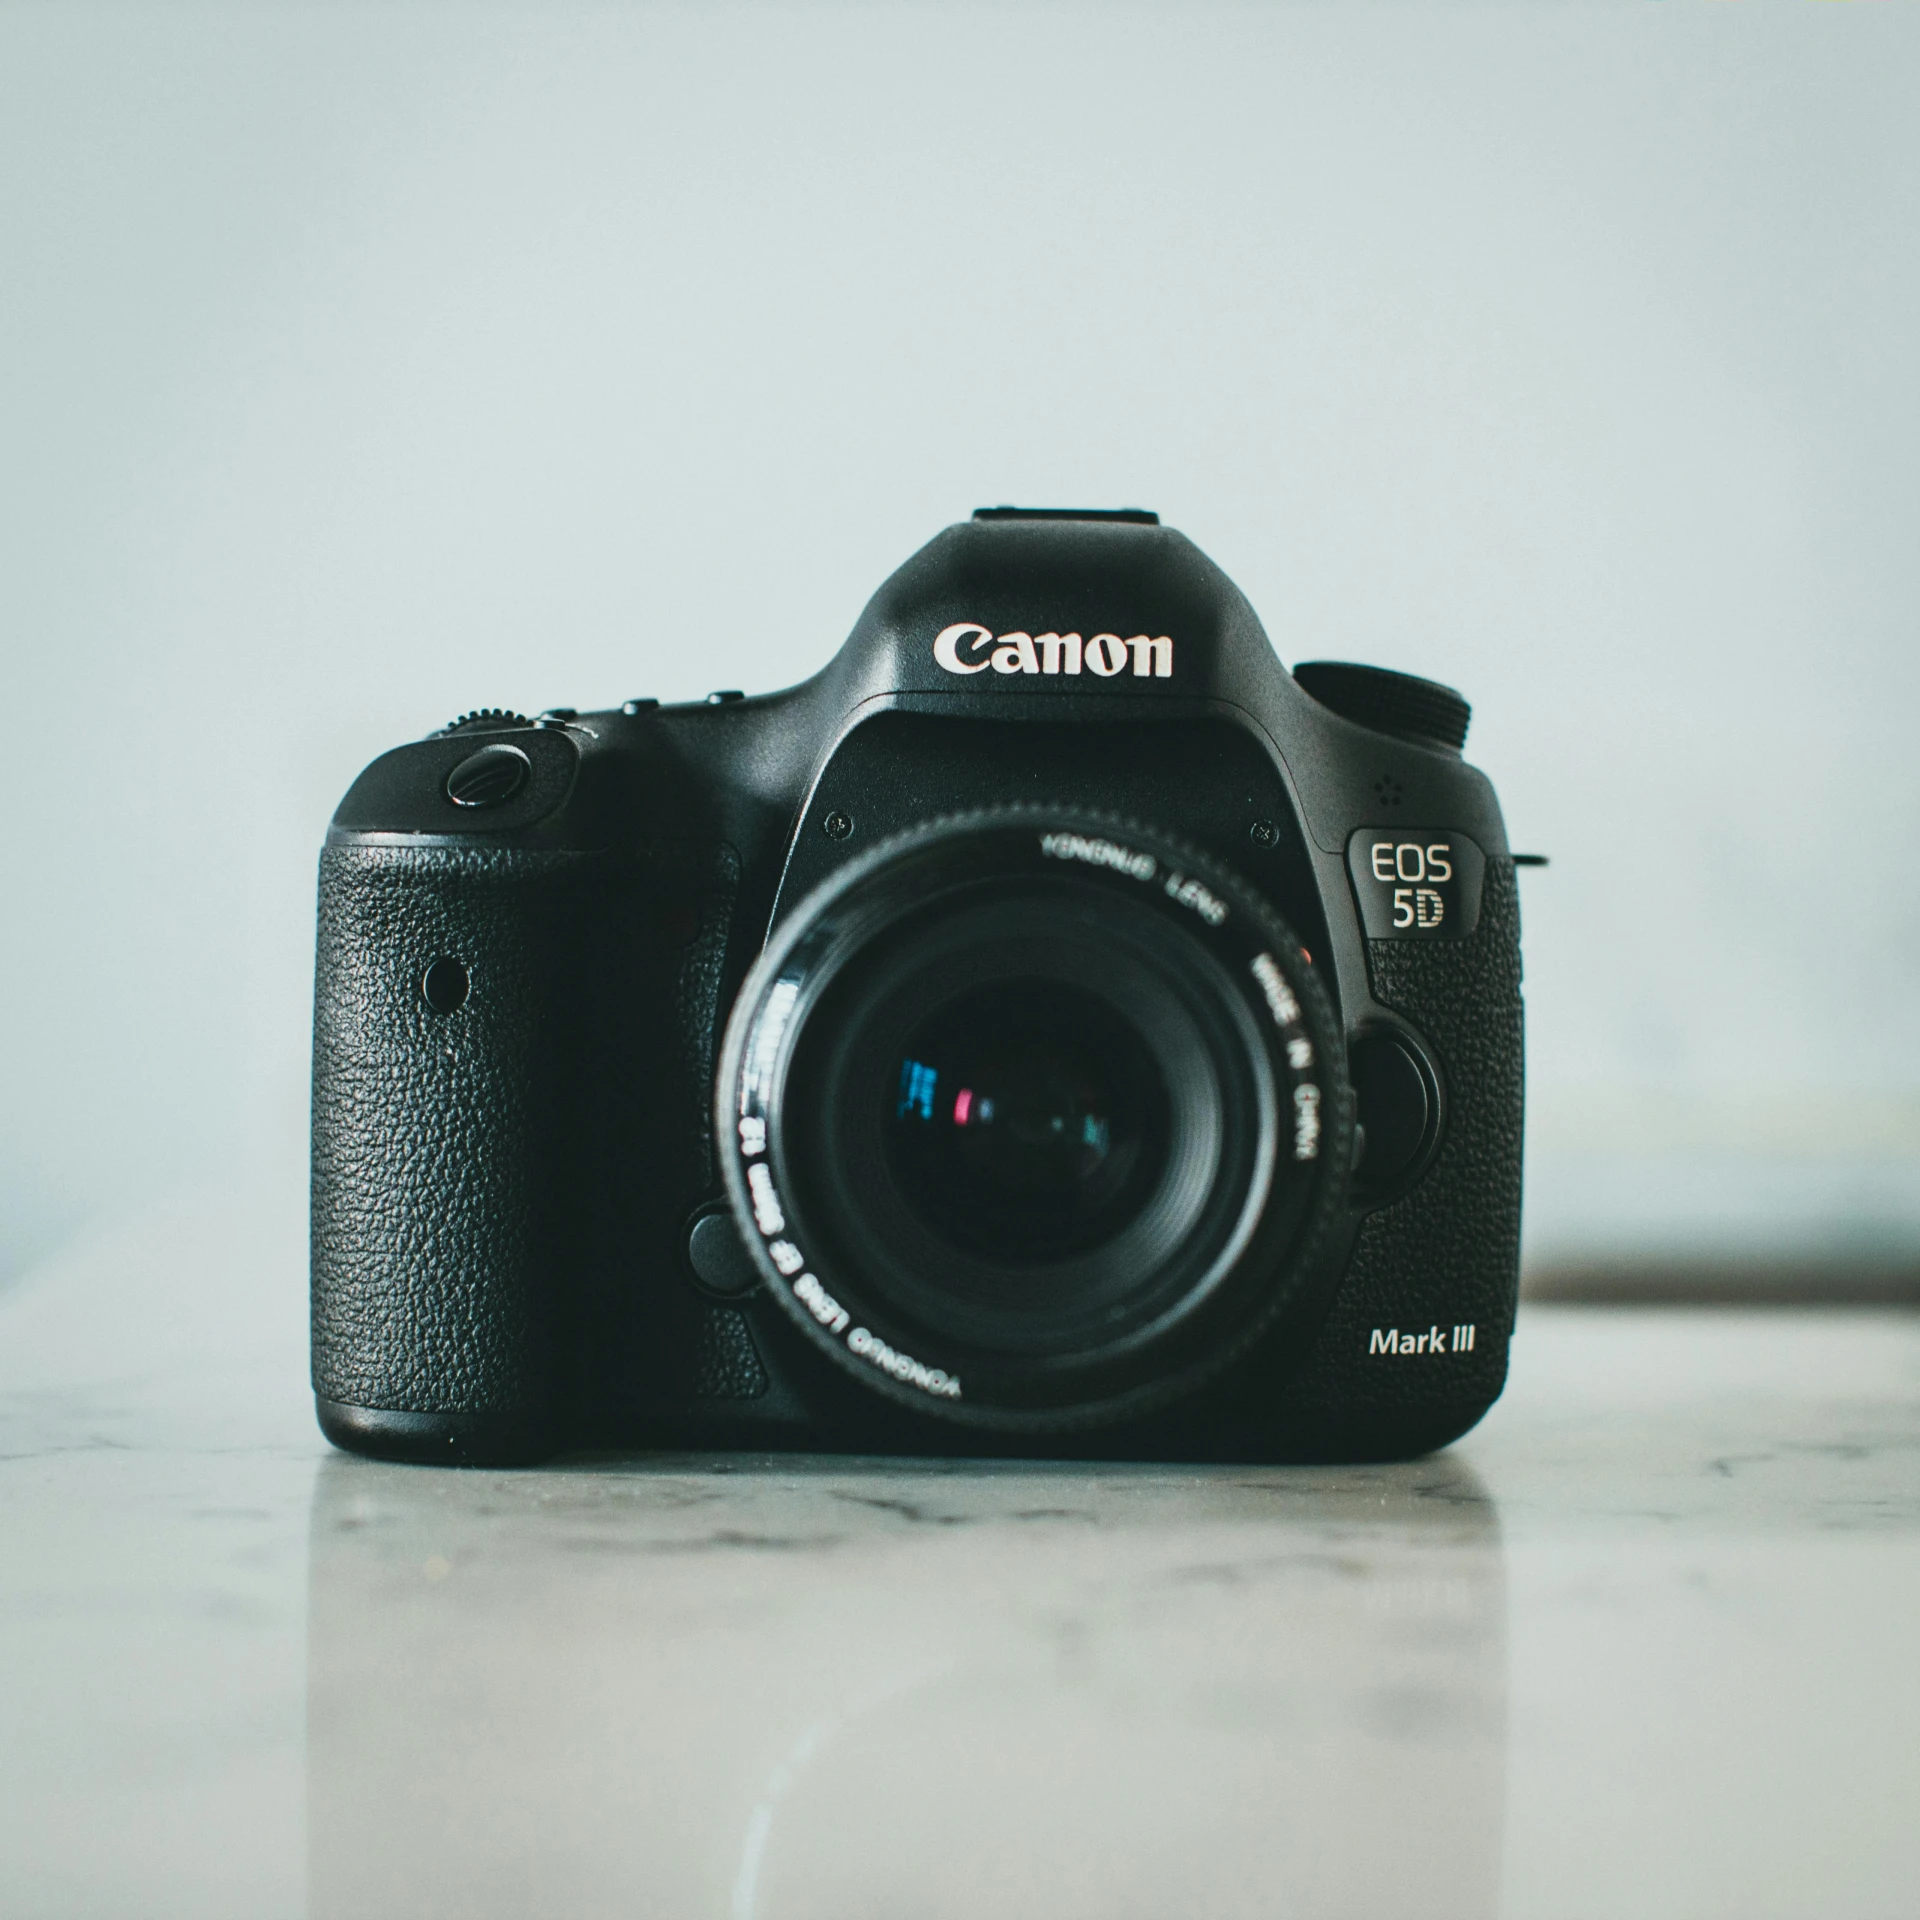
(432, 1267)
(1446, 1254)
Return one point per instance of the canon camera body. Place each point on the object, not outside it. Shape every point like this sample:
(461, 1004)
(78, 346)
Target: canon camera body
(1052, 1028)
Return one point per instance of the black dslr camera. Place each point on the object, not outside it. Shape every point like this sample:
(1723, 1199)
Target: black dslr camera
(1052, 1028)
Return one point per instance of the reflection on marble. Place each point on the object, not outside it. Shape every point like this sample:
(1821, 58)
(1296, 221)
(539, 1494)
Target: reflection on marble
(1642, 1643)
(785, 1688)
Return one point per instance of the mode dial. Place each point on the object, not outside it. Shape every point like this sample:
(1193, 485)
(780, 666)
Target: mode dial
(1401, 704)
(486, 720)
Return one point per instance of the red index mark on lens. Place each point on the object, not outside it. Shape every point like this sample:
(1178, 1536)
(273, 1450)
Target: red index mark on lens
(962, 1105)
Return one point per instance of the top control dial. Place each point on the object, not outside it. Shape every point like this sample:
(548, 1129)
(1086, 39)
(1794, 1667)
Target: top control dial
(1401, 704)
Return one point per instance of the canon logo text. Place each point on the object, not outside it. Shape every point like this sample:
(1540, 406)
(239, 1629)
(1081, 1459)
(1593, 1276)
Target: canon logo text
(966, 647)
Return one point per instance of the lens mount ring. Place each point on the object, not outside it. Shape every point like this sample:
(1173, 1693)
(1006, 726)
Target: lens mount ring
(1193, 945)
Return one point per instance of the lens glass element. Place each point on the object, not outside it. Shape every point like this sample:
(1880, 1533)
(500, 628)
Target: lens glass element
(1025, 1115)
(1029, 1122)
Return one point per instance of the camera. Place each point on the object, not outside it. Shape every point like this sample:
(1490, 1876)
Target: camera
(1053, 1028)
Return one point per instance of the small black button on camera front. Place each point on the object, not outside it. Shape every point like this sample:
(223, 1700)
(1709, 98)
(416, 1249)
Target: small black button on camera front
(725, 697)
(1400, 704)
(445, 984)
(632, 707)
(1399, 1106)
(718, 1260)
(489, 778)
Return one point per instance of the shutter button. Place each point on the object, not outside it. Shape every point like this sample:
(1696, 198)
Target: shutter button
(488, 778)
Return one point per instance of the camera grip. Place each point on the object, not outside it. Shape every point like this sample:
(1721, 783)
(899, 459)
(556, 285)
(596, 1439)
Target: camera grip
(433, 1255)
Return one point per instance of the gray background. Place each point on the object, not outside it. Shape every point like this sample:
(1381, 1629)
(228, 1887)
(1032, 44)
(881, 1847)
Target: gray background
(362, 365)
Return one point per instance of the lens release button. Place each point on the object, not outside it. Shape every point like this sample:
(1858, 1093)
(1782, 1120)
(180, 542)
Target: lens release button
(1398, 1108)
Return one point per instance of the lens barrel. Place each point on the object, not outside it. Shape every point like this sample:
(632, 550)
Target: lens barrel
(1034, 1118)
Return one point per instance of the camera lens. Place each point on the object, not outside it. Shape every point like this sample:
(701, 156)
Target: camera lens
(1028, 1122)
(1030, 1119)
(1028, 1113)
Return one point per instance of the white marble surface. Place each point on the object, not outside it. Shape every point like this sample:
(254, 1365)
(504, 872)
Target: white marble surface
(1644, 1643)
